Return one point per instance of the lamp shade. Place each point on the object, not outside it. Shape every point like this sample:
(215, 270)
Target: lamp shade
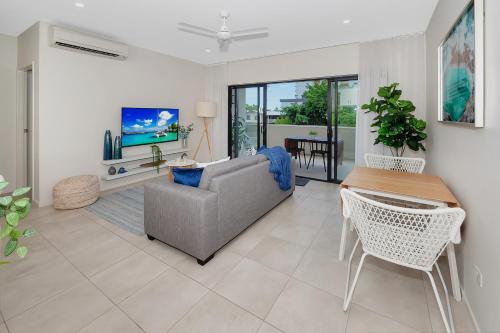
(206, 109)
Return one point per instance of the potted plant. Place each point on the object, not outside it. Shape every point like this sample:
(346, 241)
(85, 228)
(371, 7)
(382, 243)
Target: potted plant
(313, 133)
(157, 157)
(14, 208)
(395, 124)
(184, 132)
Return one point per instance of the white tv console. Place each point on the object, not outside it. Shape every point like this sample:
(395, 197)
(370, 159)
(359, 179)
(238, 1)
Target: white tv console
(135, 168)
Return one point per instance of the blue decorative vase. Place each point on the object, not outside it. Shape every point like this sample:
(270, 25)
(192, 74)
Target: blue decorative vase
(108, 146)
(117, 153)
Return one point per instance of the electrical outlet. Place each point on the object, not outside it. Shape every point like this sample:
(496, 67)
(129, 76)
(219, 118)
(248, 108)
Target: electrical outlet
(478, 276)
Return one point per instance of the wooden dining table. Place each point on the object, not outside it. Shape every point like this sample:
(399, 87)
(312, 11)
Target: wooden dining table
(410, 187)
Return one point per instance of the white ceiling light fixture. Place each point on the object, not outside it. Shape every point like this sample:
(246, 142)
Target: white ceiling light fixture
(224, 35)
(346, 21)
(79, 4)
(208, 50)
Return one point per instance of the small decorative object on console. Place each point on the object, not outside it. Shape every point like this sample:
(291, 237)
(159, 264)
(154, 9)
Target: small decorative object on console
(108, 148)
(112, 171)
(122, 170)
(117, 153)
(157, 157)
(184, 132)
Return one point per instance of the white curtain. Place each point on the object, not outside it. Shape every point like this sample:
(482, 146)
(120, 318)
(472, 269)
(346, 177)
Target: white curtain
(216, 91)
(382, 62)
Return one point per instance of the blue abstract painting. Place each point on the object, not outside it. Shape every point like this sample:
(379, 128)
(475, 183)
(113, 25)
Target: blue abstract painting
(458, 70)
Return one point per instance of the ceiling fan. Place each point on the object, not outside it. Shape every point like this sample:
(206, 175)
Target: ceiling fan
(224, 36)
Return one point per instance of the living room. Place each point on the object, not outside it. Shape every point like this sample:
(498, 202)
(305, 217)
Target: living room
(103, 234)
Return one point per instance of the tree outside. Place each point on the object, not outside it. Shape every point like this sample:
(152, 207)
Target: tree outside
(313, 111)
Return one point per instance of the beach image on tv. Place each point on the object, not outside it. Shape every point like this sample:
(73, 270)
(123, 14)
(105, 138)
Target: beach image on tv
(142, 126)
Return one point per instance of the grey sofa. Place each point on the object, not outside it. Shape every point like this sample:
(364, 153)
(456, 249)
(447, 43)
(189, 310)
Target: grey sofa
(199, 221)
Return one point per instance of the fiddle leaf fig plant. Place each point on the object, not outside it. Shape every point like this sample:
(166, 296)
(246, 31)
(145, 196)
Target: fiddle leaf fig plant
(395, 124)
(14, 208)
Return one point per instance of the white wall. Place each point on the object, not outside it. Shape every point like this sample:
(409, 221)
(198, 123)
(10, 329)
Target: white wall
(8, 64)
(81, 95)
(328, 61)
(468, 160)
(324, 62)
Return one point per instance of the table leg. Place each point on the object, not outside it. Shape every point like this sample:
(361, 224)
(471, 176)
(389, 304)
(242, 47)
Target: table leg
(455, 281)
(343, 238)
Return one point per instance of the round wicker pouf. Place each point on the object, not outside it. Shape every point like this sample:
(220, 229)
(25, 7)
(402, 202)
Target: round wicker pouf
(75, 192)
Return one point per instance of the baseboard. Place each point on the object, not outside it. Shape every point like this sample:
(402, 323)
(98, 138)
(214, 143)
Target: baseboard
(471, 313)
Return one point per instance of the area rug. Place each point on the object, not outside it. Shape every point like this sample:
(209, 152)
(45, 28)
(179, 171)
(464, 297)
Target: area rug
(301, 181)
(123, 208)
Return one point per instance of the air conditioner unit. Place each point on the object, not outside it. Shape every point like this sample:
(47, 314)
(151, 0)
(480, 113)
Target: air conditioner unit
(79, 42)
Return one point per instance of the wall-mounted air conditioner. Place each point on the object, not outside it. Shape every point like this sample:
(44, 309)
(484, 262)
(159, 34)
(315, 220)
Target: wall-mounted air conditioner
(84, 43)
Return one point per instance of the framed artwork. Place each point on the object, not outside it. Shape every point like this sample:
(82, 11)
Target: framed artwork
(461, 69)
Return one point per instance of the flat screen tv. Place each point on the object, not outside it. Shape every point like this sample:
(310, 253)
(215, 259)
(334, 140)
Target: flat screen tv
(144, 126)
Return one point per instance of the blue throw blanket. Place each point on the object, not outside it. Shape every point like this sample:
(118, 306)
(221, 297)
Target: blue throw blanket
(280, 165)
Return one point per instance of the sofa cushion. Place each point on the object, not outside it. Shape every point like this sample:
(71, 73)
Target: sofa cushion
(215, 170)
(187, 176)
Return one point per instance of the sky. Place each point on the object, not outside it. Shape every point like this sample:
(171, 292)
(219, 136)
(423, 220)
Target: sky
(275, 92)
(147, 120)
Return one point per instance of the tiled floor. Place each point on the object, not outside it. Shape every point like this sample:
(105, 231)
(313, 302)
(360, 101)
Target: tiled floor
(281, 275)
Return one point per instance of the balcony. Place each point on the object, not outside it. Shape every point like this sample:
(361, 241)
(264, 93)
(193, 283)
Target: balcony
(276, 135)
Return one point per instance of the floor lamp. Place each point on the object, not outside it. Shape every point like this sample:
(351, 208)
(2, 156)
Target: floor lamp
(205, 110)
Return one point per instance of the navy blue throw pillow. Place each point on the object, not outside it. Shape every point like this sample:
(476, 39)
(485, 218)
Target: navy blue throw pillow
(187, 176)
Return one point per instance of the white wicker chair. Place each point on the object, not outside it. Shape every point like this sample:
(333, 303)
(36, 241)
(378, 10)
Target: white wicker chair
(402, 164)
(413, 238)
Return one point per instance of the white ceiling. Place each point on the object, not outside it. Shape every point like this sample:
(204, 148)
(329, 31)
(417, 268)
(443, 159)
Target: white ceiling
(294, 25)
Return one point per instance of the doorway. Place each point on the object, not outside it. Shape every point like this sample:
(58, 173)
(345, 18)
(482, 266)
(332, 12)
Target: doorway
(313, 119)
(25, 121)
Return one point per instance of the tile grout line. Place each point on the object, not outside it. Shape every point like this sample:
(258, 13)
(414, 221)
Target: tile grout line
(106, 312)
(168, 265)
(85, 276)
(288, 281)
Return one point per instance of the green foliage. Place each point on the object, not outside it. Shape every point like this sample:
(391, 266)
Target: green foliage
(283, 121)
(347, 116)
(251, 108)
(240, 135)
(394, 123)
(13, 209)
(313, 133)
(316, 102)
(157, 157)
(184, 131)
(314, 109)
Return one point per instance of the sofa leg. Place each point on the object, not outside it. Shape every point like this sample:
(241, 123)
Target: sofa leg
(203, 262)
(151, 237)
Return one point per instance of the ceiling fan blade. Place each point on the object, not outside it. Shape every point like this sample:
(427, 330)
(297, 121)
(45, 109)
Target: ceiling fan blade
(253, 30)
(199, 33)
(195, 27)
(252, 35)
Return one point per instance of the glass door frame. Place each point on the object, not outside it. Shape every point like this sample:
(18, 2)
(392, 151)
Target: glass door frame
(261, 123)
(332, 122)
(333, 106)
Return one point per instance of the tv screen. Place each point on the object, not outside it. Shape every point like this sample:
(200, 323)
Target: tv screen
(144, 126)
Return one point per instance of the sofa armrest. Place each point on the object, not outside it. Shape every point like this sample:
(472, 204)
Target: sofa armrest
(182, 216)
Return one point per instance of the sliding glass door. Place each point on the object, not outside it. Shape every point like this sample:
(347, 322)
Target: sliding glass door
(314, 120)
(344, 104)
(246, 119)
